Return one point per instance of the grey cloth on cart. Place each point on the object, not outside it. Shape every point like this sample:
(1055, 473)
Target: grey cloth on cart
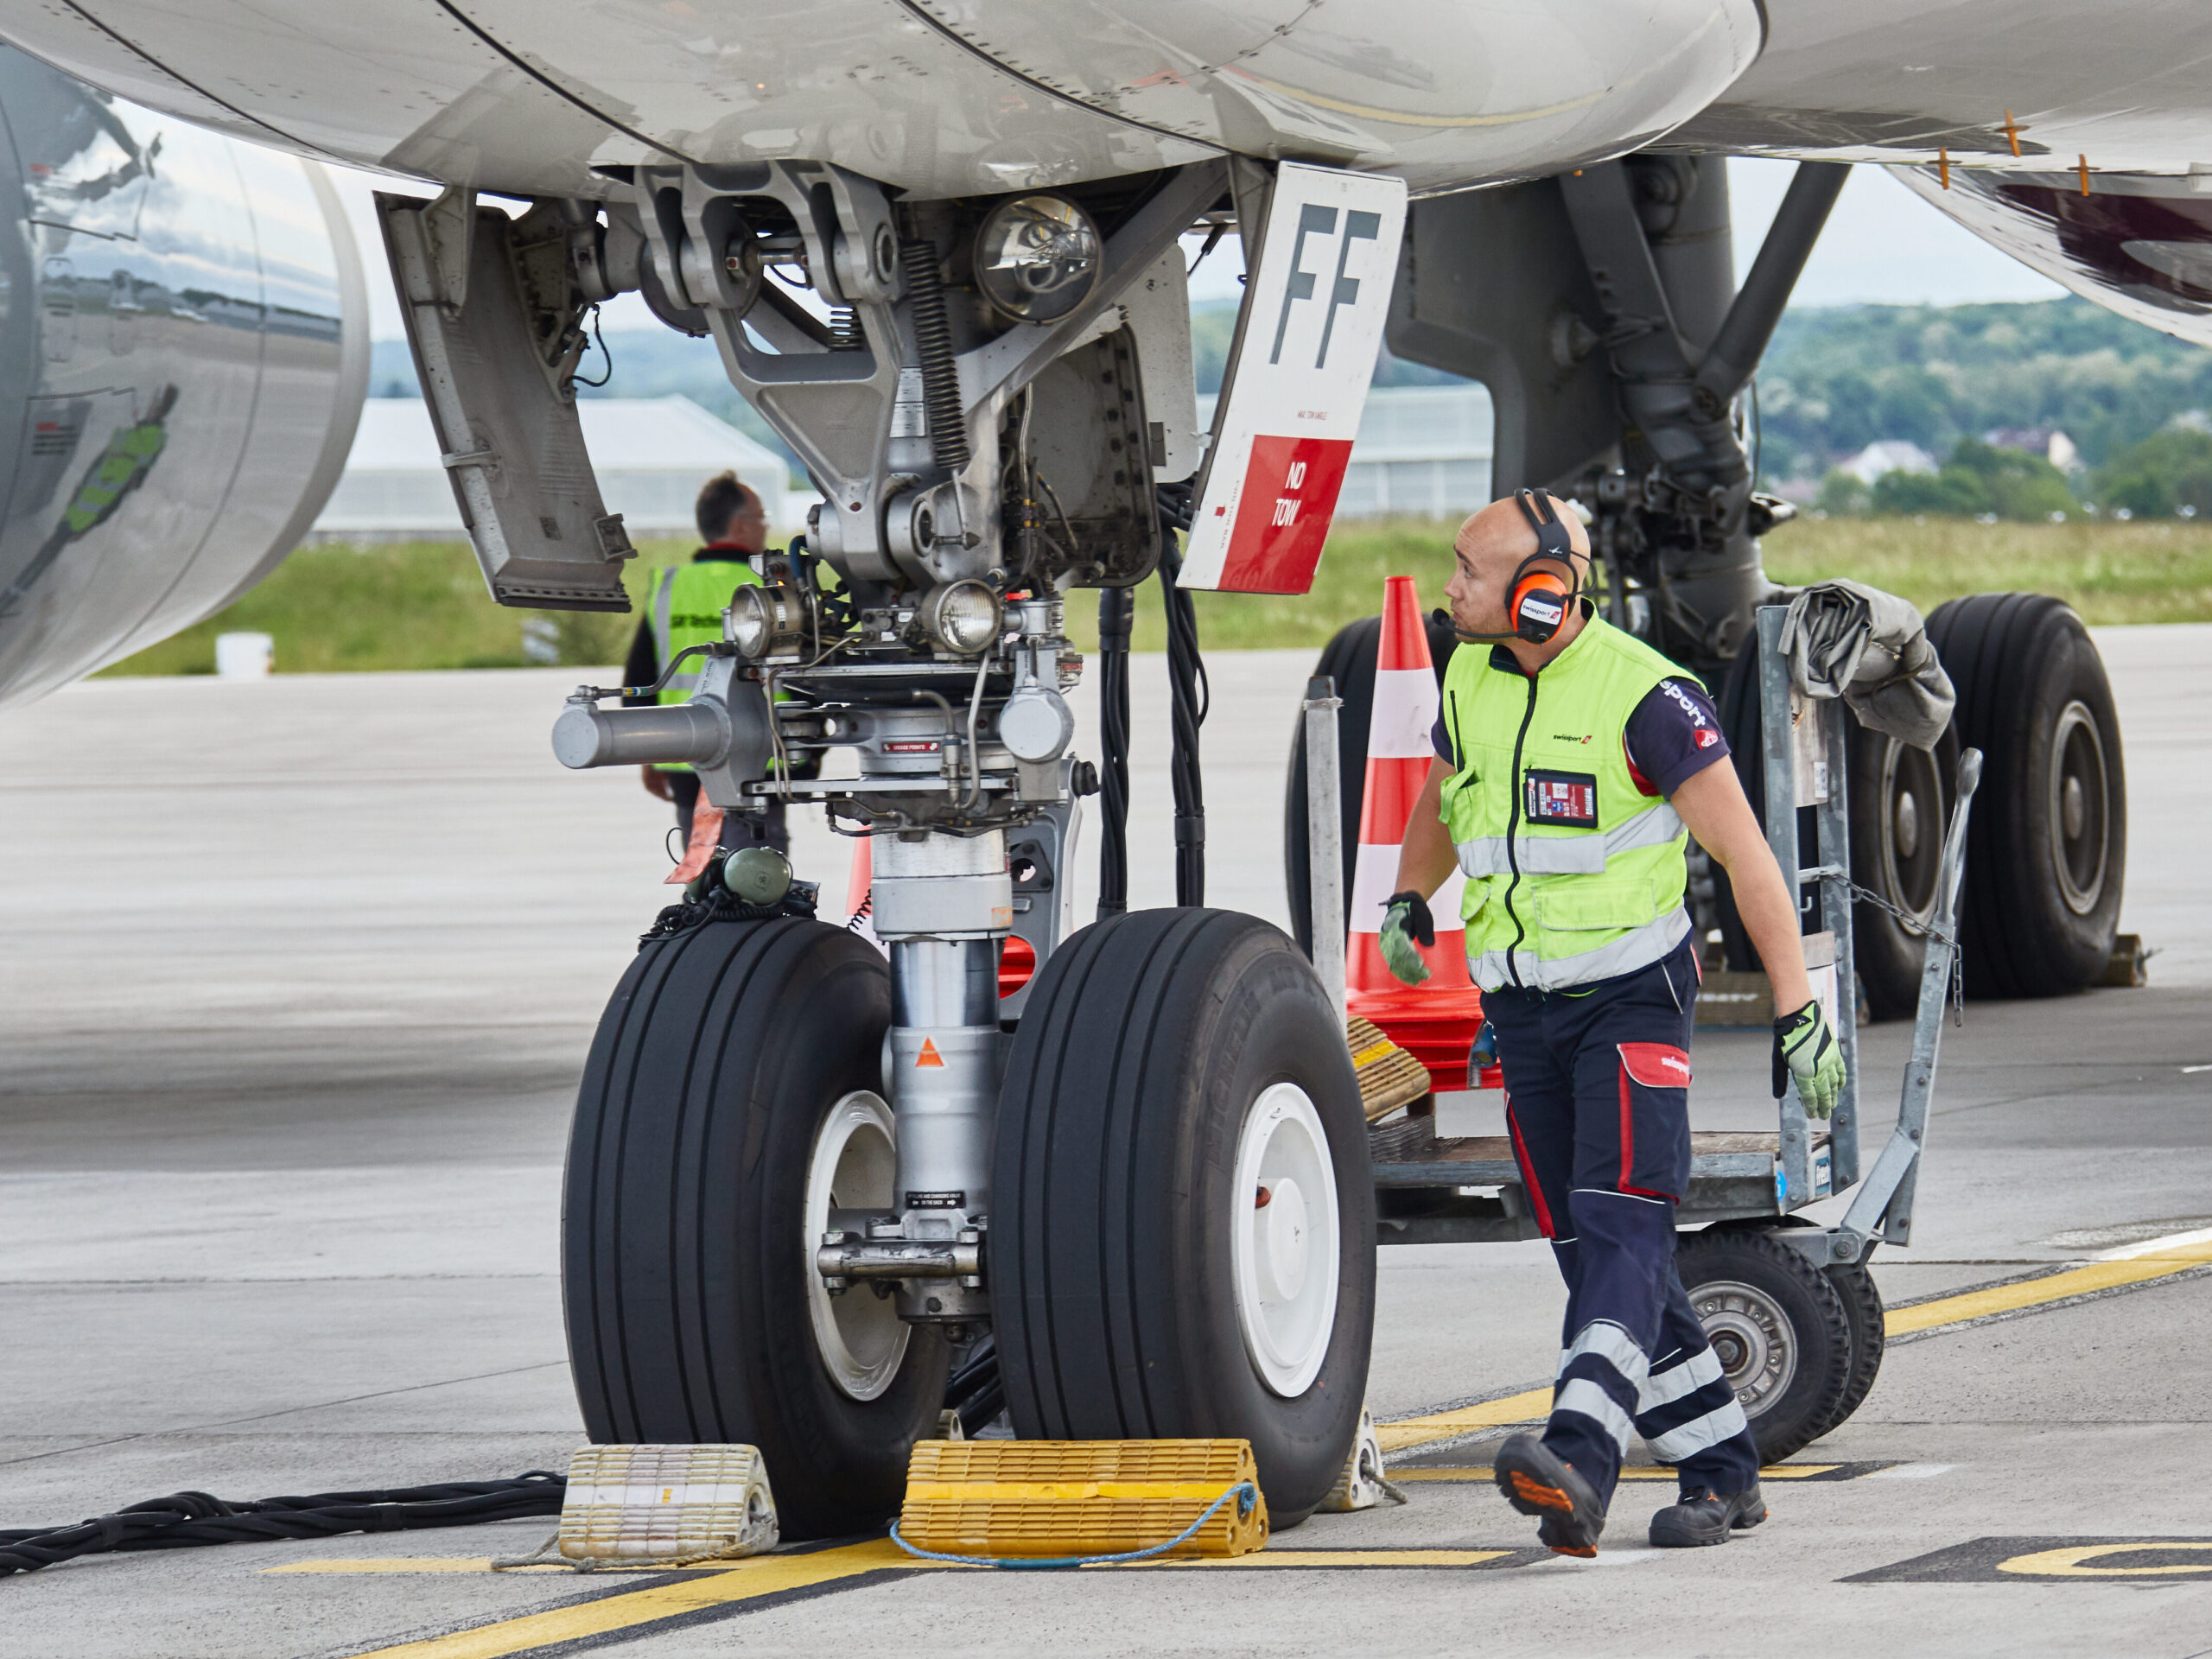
(1846, 639)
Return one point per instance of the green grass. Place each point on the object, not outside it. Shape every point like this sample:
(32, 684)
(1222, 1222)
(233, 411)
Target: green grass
(410, 604)
(423, 605)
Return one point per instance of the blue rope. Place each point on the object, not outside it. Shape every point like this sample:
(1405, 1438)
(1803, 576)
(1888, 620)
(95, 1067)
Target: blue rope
(1244, 1491)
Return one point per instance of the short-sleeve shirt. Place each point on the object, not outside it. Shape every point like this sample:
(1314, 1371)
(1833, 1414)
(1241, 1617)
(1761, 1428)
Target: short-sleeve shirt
(1672, 735)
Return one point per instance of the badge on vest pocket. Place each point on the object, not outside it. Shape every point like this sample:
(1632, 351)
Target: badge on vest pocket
(1569, 799)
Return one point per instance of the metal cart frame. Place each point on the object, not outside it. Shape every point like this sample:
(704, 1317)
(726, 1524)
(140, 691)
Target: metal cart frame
(1468, 1189)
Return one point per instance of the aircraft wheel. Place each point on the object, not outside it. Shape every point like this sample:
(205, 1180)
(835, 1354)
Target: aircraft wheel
(2047, 847)
(1183, 1238)
(1779, 1328)
(731, 1101)
(1900, 801)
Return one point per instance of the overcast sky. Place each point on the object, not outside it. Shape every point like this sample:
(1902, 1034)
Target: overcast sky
(1883, 246)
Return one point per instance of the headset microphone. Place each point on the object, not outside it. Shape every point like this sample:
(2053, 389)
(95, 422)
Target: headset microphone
(1537, 601)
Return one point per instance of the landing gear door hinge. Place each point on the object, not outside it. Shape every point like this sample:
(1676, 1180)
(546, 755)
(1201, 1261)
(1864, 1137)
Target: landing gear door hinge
(507, 432)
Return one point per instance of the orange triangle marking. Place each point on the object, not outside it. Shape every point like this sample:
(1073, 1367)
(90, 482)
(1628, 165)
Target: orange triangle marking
(929, 1056)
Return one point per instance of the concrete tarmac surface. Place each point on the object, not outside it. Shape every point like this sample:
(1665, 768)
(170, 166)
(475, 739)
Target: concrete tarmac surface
(296, 983)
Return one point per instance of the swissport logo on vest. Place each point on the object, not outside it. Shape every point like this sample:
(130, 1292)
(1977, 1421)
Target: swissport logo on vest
(1291, 404)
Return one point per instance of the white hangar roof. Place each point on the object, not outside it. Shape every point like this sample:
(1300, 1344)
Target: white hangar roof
(652, 455)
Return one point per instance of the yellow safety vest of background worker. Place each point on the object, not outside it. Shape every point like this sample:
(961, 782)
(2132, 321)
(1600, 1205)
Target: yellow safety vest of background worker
(684, 608)
(1573, 759)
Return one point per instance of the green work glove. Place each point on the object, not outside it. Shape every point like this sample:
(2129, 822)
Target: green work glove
(1405, 918)
(1805, 1047)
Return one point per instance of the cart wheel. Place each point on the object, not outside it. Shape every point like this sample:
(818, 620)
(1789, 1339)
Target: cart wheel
(731, 1098)
(1780, 1330)
(1862, 1312)
(1183, 1237)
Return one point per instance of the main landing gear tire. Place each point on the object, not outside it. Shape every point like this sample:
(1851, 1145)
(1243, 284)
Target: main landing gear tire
(1183, 1236)
(1900, 801)
(2047, 847)
(732, 1099)
(1780, 1329)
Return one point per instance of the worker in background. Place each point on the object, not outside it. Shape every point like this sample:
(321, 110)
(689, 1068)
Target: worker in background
(685, 610)
(1571, 758)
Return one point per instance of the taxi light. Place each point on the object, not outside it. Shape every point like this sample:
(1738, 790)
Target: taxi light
(1037, 257)
(961, 617)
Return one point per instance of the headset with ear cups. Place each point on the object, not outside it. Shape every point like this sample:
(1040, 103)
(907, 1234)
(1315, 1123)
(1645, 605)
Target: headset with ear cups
(1537, 601)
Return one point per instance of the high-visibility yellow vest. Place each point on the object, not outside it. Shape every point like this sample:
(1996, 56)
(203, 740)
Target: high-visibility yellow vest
(687, 610)
(1573, 873)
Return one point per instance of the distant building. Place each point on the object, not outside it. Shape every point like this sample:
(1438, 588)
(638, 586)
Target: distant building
(2054, 447)
(1423, 452)
(1888, 455)
(651, 454)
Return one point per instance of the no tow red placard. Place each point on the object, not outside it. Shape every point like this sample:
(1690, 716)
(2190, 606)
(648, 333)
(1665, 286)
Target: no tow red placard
(1291, 405)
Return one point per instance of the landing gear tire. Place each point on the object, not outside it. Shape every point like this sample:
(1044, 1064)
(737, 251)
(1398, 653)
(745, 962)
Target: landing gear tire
(1779, 1328)
(733, 1098)
(1183, 1245)
(2047, 847)
(1900, 801)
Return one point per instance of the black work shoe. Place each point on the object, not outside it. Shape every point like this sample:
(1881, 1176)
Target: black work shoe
(1699, 1518)
(1537, 1481)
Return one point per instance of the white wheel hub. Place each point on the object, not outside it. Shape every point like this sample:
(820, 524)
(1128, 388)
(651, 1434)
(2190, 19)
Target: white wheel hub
(859, 1336)
(1286, 1239)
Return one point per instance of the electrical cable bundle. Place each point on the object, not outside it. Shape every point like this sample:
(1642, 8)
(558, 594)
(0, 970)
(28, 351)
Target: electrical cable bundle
(1116, 617)
(1188, 696)
(184, 1519)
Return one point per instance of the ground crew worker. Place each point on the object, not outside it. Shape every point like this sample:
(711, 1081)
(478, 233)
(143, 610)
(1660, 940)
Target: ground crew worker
(686, 610)
(1572, 759)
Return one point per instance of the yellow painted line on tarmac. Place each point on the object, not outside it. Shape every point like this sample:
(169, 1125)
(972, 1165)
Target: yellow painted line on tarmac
(2084, 1280)
(1531, 1407)
(1473, 1472)
(762, 1575)
(1535, 1404)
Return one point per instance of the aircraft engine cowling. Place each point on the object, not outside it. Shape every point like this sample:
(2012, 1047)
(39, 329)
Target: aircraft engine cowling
(183, 353)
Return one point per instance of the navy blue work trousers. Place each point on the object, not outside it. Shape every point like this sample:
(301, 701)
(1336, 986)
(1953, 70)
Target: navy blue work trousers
(1597, 1102)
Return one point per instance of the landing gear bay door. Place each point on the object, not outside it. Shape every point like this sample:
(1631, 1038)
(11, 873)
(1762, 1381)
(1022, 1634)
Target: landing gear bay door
(1297, 381)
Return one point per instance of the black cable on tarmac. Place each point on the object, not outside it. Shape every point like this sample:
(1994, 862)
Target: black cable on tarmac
(1117, 610)
(184, 1519)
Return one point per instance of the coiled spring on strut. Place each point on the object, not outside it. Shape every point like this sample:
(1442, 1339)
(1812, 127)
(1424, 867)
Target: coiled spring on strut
(845, 329)
(933, 337)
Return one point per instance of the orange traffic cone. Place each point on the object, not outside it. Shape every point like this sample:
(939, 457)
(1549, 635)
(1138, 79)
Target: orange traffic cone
(859, 891)
(1437, 1021)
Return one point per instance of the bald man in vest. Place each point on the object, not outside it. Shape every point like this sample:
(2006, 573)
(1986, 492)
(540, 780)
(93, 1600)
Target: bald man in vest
(1573, 759)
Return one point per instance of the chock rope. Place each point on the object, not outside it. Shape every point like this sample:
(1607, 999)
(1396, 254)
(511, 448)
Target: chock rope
(183, 1520)
(1244, 1491)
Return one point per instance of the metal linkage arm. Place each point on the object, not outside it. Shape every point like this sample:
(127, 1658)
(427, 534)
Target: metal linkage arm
(1884, 1205)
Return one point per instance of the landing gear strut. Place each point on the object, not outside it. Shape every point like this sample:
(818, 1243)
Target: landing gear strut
(804, 1178)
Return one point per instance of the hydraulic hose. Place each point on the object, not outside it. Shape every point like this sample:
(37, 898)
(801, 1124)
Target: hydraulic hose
(184, 1519)
(1116, 615)
(934, 340)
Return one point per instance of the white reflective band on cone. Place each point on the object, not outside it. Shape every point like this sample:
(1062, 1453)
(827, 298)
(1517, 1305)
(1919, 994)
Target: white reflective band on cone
(1404, 721)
